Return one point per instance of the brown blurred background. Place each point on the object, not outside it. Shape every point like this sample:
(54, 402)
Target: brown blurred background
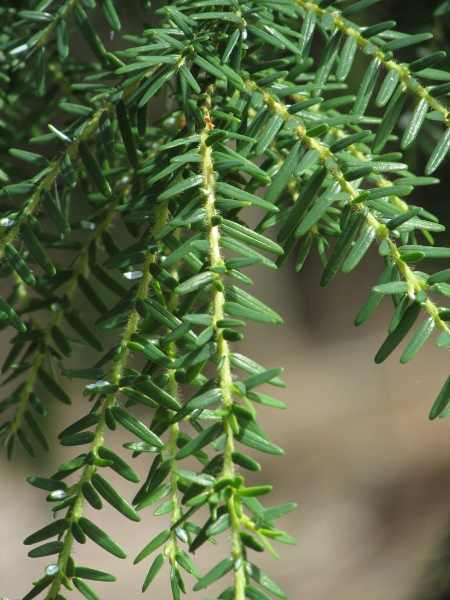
(369, 471)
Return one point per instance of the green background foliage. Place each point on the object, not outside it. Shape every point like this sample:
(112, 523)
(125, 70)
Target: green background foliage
(144, 179)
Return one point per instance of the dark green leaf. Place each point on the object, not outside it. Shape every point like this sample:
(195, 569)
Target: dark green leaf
(393, 340)
(394, 287)
(327, 59)
(387, 88)
(264, 376)
(367, 86)
(404, 41)
(206, 399)
(136, 427)
(46, 549)
(259, 490)
(156, 542)
(55, 528)
(264, 580)
(110, 14)
(245, 461)
(100, 537)
(78, 439)
(248, 236)
(91, 496)
(214, 574)
(54, 213)
(196, 282)
(118, 464)
(180, 187)
(29, 157)
(343, 143)
(196, 356)
(83, 330)
(341, 248)
(273, 126)
(127, 134)
(389, 120)
(67, 172)
(84, 589)
(91, 295)
(106, 132)
(281, 179)
(429, 251)
(439, 153)
(234, 192)
(154, 570)
(222, 524)
(357, 6)
(139, 397)
(53, 387)
(254, 593)
(400, 219)
(22, 436)
(269, 514)
(202, 479)
(441, 401)
(415, 123)
(152, 353)
(302, 203)
(36, 250)
(155, 496)
(50, 485)
(204, 438)
(244, 250)
(359, 249)
(418, 340)
(190, 79)
(88, 373)
(61, 39)
(184, 561)
(346, 58)
(307, 32)
(88, 573)
(89, 33)
(93, 169)
(36, 430)
(440, 90)
(161, 397)
(19, 265)
(243, 304)
(253, 439)
(394, 190)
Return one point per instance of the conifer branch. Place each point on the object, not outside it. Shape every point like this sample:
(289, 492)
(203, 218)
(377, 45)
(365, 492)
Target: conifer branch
(415, 284)
(410, 82)
(223, 351)
(113, 377)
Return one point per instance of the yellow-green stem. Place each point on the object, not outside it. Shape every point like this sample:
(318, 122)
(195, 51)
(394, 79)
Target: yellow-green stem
(114, 377)
(223, 355)
(172, 448)
(340, 134)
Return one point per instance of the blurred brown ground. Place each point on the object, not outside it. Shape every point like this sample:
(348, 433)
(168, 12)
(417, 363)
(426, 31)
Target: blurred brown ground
(369, 471)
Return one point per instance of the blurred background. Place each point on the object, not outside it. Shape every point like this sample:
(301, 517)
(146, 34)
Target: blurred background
(369, 471)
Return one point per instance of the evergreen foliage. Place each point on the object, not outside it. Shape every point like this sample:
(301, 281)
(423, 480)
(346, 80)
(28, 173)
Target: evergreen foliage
(251, 111)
